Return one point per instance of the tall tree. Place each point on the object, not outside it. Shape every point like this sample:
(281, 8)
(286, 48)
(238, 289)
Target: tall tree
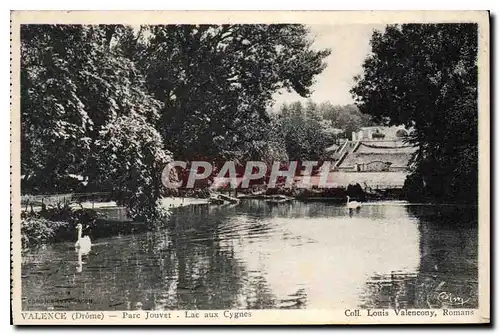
(217, 81)
(75, 90)
(425, 76)
(346, 117)
(302, 131)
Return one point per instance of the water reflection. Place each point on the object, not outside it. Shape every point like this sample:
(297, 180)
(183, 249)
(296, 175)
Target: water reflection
(255, 255)
(447, 274)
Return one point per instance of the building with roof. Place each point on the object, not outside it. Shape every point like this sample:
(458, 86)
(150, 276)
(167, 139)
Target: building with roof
(376, 157)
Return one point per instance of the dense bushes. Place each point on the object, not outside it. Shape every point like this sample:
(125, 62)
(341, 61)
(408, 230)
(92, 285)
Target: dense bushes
(37, 230)
(55, 224)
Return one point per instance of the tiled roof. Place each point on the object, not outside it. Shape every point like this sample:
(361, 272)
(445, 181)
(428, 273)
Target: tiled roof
(396, 159)
(396, 152)
(385, 147)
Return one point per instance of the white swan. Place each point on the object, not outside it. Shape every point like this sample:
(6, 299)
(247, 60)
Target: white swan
(83, 244)
(352, 204)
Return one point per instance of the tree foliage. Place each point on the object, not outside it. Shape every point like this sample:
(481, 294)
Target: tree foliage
(425, 76)
(82, 104)
(217, 81)
(112, 102)
(345, 117)
(302, 131)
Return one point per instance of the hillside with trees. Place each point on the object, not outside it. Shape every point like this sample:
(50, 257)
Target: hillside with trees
(304, 128)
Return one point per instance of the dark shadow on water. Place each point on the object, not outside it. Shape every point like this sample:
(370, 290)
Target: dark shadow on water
(255, 255)
(448, 273)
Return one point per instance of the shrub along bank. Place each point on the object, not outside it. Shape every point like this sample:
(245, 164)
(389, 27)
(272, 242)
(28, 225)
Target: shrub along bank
(59, 225)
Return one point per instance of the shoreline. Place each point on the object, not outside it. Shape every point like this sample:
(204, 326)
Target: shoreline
(106, 219)
(102, 219)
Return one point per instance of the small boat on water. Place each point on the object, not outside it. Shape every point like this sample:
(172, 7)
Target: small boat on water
(229, 199)
(278, 199)
(221, 199)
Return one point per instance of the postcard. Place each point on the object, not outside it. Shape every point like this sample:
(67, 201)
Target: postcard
(250, 168)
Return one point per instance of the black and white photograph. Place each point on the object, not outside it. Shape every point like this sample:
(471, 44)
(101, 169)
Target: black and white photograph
(179, 173)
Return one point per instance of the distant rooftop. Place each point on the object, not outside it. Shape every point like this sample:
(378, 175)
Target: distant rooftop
(382, 155)
(380, 132)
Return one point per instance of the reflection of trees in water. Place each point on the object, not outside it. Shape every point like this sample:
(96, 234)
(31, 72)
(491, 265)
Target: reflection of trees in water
(292, 209)
(448, 271)
(258, 208)
(41, 279)
(192, 263)
(318, 209)
(182, 267)
(396, 290)
(255, 294)
(209, 275)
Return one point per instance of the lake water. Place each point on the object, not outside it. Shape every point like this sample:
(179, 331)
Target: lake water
(254, 255)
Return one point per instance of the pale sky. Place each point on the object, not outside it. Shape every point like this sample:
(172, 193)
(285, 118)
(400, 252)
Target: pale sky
(349, 45)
